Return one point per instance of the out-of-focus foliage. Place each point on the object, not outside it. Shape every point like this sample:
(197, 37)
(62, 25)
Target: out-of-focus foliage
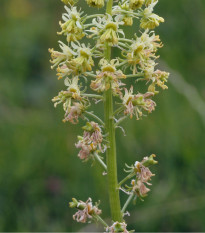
(39, 168)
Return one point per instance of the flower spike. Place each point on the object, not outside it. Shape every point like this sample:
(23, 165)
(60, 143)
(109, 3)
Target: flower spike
(90, 67)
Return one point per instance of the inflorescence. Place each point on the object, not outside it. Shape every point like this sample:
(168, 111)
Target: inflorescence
(83, 66)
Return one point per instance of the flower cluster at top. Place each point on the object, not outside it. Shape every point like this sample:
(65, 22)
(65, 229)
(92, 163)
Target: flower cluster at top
(77, 61)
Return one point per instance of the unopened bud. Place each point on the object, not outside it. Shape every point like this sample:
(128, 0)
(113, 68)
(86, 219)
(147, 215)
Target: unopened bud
(74, 203)
(88, 127)
(69, 2)
(136, 4)
(148, 161)
(96, 3)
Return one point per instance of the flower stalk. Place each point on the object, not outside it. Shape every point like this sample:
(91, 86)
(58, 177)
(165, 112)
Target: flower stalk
(102, 164)
(127, 203)
(111, 151)
(82, 64)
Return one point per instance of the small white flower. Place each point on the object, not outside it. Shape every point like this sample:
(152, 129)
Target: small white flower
(124, 13)
(106, 30)
(137, 163)
(72, 26)
(73, 87)
(59, 58)
(150, 20)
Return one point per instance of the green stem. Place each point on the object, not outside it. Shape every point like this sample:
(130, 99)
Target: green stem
(120, 121)
(92, 96)
(119, 110)
(126, 40)
(90, 74)
(125, 179)
(109, 7)
(98, 218)
(92, 16)
(135, 75)
(123, 45)
(127, 203)
(95, 117)
(102, 164)
(121, 64)
(111, 150)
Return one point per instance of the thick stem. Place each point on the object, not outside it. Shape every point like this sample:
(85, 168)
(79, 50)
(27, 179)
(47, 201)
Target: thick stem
(111, 150)
(111, 159)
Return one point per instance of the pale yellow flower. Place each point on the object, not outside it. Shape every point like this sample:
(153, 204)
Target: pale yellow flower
(96, 3)
(150, 20)
(72, 26)
(136, 4)
(106, 30)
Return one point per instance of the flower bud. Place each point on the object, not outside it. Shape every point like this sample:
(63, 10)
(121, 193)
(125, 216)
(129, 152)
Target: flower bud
(88, 127)
(74, 203)
(69, 2)
(128, 21)
(136, 4)
(148, 161)
(96, 3)
(110, 34)
(148, 2)
(152, 22)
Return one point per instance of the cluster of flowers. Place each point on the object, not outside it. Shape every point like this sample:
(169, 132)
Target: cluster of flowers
(73, 103)
(91, 142)
(86, 210)
(135, 103)
(108, 77)
(117, 227)
(142, 176)
(76, 60)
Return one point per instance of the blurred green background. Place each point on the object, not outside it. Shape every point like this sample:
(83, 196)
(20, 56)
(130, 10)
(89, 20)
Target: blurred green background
(39, 168)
